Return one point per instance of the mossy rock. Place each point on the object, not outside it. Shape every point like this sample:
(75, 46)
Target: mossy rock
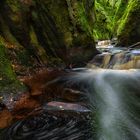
(129, 29)
(48, 29)
(8, 82)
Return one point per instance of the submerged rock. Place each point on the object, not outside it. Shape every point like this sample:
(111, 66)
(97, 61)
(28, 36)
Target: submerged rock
(68, 106)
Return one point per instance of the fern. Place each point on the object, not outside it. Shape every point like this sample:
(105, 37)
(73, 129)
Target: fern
(108, 14)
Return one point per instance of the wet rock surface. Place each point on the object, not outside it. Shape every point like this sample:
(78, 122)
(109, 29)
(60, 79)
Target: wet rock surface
(44, 88)
(50, 127)
(117, 58)
(56, 106)
(5, 118)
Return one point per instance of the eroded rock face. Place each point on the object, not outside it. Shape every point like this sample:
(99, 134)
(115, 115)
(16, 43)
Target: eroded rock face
(50, 32)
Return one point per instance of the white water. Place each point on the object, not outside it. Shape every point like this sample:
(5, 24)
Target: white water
(114, 95)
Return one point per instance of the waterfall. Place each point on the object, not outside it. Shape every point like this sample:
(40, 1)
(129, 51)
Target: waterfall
(114, 96)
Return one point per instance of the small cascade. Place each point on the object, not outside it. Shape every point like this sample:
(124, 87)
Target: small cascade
(117, 58)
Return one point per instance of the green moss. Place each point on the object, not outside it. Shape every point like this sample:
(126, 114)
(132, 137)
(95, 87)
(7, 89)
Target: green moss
(55, 62)
(23, 57)
(82, 19)
(34, 41)
(14, 10)
(48, 28)
(60, 14)
(7, 34)
(128, 30)
(131, 6)
(6, 70)
(68, 38)
(70, 15)
(8, 81)
(14, 5)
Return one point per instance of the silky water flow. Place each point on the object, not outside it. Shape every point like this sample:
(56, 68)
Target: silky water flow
(113, 99)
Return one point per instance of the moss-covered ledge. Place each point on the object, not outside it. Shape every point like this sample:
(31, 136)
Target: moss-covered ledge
(9, 85)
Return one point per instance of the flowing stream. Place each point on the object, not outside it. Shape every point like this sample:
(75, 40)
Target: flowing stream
(112, 111)
(114, 96)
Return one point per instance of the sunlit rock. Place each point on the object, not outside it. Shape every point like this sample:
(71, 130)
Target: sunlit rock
(120, 59)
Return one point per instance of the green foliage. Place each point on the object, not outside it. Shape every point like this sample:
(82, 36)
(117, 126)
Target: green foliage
(108, 13)
(83, 20)
(130, 7)
(128, 31)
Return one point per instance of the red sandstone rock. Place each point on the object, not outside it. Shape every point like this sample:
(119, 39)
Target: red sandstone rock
(5, 118)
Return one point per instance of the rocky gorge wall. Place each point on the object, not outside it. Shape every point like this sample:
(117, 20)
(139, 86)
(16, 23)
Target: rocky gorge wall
(50, 30)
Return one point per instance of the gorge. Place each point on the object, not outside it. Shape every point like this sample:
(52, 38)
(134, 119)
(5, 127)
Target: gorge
(56, 83)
